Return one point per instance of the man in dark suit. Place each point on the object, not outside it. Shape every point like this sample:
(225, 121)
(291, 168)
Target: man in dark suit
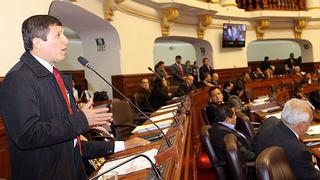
(178, 74)
(41, 119)
(290, 62)
(295, 120)
(224, 124)
(216, 98)
(205, 68)
(186, 87)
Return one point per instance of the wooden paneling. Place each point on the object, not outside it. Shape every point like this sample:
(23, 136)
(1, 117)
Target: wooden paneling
(4, 153)
(79, 79)
(231, 74)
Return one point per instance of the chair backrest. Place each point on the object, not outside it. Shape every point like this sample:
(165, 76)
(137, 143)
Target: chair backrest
(244, 126)
(122, 112)
(273, 164)
(204, 115)
(218, 166)
(235, 162)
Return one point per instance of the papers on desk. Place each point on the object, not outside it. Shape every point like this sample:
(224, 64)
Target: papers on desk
(167, 109)
(137, 164)
(272, 109)
(171, 105)
(151, 127)
(260, 101)
(277, 115)
(162, 117)
(313, 130)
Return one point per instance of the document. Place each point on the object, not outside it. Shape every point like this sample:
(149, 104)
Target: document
(260, 101)
(162, 117)
(277, 115)
(313, 130)
(137, 164)
(167, 109)
(171, 105)
(272, 109)
(151, 127)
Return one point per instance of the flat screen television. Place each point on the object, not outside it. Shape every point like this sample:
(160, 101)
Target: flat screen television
(234, 35)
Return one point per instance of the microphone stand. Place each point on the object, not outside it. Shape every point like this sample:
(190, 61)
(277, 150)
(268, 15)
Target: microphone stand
(131, 103)
(155, 169)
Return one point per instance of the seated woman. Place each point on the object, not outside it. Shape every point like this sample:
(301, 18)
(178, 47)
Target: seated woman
(159, 94)
(206, 82)
(235, 101)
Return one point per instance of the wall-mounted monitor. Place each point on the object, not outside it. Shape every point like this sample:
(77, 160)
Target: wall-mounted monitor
(234, 35)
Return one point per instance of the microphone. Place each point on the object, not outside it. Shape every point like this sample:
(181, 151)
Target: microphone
(154, 167)
(150, 69)
(86, 64)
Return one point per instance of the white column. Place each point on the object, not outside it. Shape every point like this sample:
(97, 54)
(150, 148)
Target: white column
(312, 4)
(228, 3)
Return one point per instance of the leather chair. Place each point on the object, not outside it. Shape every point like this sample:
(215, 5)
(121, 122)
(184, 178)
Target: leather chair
(245, 126)
(135, 99)
(237, 166)
(204, 115)
(218, 166)
(273, 164)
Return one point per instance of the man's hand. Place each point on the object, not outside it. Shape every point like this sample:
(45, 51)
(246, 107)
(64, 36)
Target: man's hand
(134, 142)
(97, 117)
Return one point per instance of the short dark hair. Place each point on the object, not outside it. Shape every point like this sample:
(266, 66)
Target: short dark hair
(212, 89)
(204, 59)
(237, 88)
(37, 27)
(227, 83)
(223, 112)
(178, 57)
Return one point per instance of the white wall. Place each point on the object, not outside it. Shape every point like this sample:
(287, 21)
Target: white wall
(75, 49)
(279, 49)
(167, 52)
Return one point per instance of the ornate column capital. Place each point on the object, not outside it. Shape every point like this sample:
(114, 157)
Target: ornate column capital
(262, 25)
(204, 22)
(298, 27)
(169, 15)
(108, 7)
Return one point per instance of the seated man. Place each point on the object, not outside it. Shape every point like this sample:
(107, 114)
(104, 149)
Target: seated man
(186, 87)
(216, 98)
(143, 95)
(224, 124)
(295, 120)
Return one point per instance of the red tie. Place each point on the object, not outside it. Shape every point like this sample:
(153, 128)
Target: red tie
(181, 70)
(63, 90)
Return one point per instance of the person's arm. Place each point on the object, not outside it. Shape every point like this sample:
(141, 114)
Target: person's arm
(21, 110)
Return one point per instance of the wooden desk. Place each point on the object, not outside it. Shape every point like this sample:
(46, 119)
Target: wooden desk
(4, 153)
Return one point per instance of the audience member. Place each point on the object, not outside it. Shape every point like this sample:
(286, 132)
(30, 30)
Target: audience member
(186, 87)
(307, 79)
(160, 70)
(227, 88)
(265, 64)
(159, 94)
(291, 62)
(235, 101)
(75, 92)
(206, 82)
(298, 92)
(224, 124)
(178, 74)
(215, 79)
(295, 120)
(188, 68)
(205, 68)
(143, 94)
(195, 73)
(215, 98)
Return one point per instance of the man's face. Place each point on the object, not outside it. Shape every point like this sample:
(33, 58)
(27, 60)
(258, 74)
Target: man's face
(206, 62)
(216, 96)
(178, 60)
(54, 49)
(145, 84)
(189, 80)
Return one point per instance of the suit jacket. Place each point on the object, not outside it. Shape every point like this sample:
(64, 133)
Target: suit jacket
(211, 111)
(40, 130)
(203, 70)
(183, 89)
(158, 98)
(217, 133)
(177, 79)
(275, 133)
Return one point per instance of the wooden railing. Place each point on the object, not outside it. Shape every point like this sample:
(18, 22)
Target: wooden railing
(282, 5)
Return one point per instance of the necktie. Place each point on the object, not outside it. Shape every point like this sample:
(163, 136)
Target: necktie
(181, 70)
(63, 90)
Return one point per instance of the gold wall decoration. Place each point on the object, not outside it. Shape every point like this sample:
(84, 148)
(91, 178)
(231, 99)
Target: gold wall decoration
(169, 15)
(262, 25)
(298, 27)
(108, 8)
(204, 22)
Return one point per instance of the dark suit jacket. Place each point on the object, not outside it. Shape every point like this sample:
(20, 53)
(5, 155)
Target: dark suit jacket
(203, 70)
(40, 130)
(177, 79)
(275, 133)
(158, 98)
(211, 111)
(183, 89)
(217, 133)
